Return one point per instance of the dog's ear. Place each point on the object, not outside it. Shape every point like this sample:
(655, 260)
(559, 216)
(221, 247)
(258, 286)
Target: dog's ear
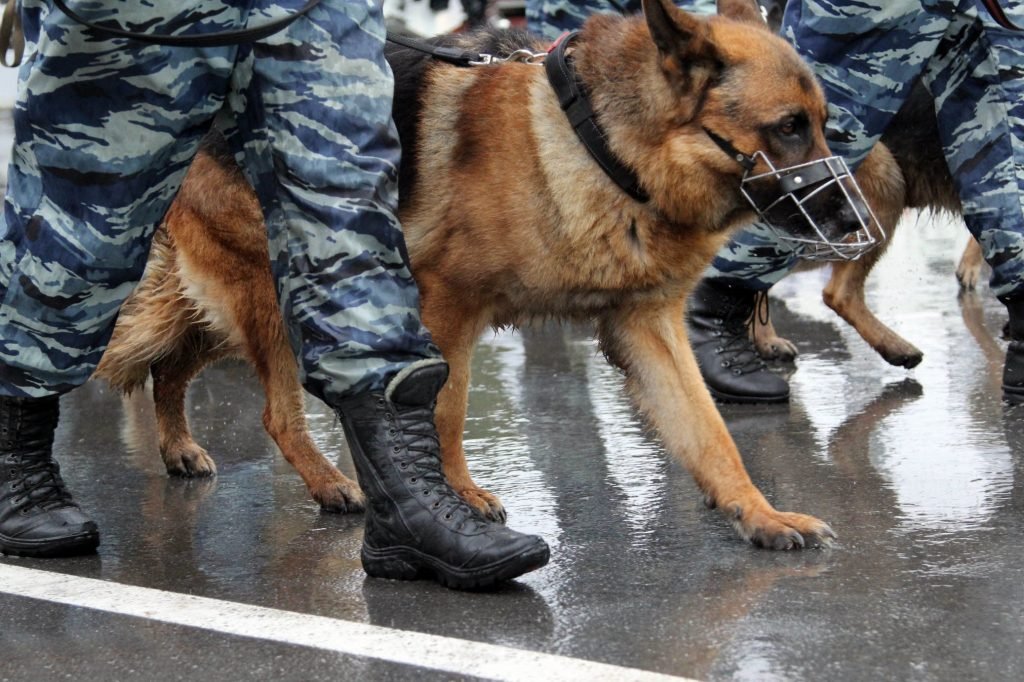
(748, 11)
(683, 41)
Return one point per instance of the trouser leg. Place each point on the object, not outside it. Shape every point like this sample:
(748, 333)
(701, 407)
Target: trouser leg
(321, 149)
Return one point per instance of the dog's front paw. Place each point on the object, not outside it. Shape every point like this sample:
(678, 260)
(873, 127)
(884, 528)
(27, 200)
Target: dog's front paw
(486, 503)
(188, 460)
(773, 529)
(901, 353)
(339, 495)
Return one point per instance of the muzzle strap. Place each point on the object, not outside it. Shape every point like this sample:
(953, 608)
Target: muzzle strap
(809, 176)
(748, 162)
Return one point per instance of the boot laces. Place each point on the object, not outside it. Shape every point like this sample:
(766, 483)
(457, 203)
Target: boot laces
(40, 485)
(415, 430)
(741, 355)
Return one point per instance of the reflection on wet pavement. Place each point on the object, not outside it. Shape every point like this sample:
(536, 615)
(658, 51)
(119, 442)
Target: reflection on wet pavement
(918, 471)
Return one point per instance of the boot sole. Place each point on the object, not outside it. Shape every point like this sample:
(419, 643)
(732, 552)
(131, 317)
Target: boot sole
(83, 543)
(405, 563)
(730, 398)
(1014, 395)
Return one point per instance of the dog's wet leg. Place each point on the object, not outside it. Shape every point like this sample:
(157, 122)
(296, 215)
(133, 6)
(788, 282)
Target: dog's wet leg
(664, 380)
(284, 415)
(172, 375)
(456, 334)
(884, 189)
(968, 271)
(769, 344)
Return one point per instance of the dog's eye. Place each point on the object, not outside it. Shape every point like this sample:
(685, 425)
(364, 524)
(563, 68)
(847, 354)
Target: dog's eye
(788, 127)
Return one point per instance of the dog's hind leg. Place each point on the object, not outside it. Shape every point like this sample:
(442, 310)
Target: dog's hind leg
(172, 373)
(256, 315)
(665, 382)
(769, 344)
(968, 271)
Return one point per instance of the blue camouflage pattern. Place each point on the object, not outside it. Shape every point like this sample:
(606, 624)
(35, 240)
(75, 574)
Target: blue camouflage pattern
(869, 53)
(551, 18)
(105, 130)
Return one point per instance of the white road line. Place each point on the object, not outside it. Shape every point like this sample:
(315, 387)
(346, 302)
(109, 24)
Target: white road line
(446, 654)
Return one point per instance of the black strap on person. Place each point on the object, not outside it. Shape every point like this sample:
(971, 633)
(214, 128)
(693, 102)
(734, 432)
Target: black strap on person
(996, 10)
(216, 39)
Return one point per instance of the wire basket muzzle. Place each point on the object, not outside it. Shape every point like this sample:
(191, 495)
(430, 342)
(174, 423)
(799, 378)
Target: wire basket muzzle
(816, 207)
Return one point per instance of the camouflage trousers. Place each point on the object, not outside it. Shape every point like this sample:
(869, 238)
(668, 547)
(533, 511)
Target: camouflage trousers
(105, 130)
(867, 56)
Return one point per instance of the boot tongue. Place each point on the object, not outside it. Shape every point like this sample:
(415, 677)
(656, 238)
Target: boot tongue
(418, 385)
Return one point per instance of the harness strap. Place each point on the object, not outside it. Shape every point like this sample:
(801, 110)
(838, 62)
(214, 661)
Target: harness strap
(218, 39)
(575, 102)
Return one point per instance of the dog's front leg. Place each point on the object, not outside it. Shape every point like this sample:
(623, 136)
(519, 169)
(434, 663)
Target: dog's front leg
(455, 326)
(664, 380)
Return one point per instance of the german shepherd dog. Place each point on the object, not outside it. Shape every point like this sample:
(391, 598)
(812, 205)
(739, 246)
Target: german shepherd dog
(502, 228)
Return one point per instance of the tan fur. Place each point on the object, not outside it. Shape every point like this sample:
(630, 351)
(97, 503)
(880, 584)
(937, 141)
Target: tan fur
(509, 219)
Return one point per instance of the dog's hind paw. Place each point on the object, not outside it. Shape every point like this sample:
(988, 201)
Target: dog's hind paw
(777, 530)
(486, 503)
(776, 348)
(188, 460)
(339, 496)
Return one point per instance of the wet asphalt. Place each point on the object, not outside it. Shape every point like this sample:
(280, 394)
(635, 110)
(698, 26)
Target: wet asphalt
(920, 472)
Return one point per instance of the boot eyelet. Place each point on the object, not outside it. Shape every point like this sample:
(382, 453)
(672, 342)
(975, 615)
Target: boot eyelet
(448, 517)
(403, 465)
(725, 363)
(737, 372)
(396, 449)
(436, 504)
(426, 492)
(413, 479)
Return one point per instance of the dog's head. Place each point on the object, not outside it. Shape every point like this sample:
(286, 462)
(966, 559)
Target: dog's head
(733, 102)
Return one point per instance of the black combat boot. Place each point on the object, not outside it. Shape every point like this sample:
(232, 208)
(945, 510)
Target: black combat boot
(417, 526)
(718, 325)
(37, 515)
(1013, 368)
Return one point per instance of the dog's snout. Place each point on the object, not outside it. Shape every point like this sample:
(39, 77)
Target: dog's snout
(853, 214)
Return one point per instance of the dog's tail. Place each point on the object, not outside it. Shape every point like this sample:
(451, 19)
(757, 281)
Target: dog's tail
(154, 323)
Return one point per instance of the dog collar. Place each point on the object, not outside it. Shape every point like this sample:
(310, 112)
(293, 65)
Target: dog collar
(575, 102)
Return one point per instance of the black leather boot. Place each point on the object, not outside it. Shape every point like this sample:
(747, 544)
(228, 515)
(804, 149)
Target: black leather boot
(37, 514)
(1013, 368)
(417, 526)
(717, 323)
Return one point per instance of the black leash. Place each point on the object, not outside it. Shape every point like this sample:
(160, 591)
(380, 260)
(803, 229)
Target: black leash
(996, 10)
(575, 102)
(449, 54)
(218, 39)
